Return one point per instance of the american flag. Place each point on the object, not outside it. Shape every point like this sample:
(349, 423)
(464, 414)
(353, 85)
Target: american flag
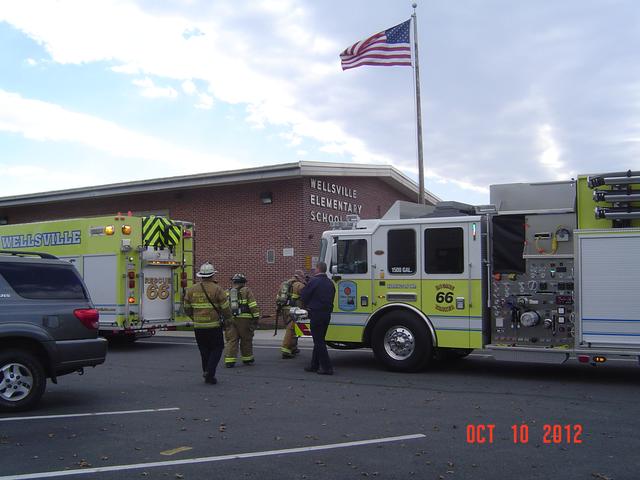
(387, 48)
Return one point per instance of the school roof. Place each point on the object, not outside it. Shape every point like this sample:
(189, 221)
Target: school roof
(386, 173)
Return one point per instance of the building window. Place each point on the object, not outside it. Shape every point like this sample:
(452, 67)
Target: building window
(444, 250)
(402, 251)
(271, 256)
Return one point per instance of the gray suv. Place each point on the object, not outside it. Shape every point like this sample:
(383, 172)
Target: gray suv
(48, 326)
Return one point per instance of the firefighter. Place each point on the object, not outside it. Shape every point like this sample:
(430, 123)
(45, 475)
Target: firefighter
(289, 296)
(246, 314)
(206, 303)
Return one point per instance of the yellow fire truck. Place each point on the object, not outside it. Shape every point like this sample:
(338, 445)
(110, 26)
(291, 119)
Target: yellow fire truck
(546, 272)
(135, 268)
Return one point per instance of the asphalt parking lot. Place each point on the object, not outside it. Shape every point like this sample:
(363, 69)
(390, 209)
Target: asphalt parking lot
(147, 414)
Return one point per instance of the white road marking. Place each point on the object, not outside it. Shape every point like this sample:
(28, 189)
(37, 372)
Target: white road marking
(188, 461)
(93, 414)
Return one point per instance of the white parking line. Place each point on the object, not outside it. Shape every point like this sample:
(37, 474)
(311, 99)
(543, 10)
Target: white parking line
(93, 414)
(187, 461)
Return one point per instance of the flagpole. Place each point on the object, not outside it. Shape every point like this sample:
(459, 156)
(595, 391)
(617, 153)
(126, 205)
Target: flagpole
(416, 69)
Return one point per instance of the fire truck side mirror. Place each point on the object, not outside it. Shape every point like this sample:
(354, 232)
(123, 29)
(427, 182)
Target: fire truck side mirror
(334, 258)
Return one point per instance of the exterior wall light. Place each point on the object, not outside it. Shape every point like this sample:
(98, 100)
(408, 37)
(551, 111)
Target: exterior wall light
(266, 198)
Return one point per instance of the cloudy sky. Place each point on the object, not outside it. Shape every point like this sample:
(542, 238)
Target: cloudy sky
(118, 90)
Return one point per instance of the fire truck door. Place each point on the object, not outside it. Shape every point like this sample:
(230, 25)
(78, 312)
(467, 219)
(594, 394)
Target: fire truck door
(447, 289)
(157, 295)
(395, 263)
(351, 270)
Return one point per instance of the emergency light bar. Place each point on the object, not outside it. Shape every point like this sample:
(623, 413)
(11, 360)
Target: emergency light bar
(350, 223)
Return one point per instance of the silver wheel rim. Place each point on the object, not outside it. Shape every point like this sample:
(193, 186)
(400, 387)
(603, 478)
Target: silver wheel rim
(16, 382)
(399, 342)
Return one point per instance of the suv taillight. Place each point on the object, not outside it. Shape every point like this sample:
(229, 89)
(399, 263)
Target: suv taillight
(88, 316)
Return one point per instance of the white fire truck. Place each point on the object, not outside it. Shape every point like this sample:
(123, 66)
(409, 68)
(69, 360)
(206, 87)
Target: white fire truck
(135, 268)
(547, 272)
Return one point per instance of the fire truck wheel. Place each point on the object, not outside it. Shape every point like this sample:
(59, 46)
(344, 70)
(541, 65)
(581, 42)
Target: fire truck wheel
(22, 380)
(401, 342)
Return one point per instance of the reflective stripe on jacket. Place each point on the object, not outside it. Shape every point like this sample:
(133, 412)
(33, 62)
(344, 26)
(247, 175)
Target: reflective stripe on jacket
(248, 305)
(198, 307)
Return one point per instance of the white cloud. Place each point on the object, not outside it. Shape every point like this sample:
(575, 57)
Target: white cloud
(545, 90)
(238, 68)
(434, 177)
(42, 121)
(189, 87)
(41, 179)
(205, 102)
(151, 90)
(549, 156)
(292, 139)
(129, 69)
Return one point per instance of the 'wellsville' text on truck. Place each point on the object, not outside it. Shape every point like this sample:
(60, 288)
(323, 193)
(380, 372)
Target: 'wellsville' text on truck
(135, 268)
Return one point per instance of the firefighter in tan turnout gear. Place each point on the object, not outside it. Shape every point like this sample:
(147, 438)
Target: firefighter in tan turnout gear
(206, 302)
(239, 330)
(289, 296)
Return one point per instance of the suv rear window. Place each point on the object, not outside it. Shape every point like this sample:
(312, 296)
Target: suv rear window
(37, 281)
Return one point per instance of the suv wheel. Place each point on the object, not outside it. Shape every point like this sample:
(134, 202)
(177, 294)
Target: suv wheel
(22, 380)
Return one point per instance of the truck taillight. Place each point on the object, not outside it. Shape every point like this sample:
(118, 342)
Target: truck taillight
(132, 300)
(183, 283)
(132, 278)
(132, 284)
(88, 317)
(126, 229)
(187, 234)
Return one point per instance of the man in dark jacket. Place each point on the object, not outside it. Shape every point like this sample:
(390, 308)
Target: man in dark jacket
(318, 295)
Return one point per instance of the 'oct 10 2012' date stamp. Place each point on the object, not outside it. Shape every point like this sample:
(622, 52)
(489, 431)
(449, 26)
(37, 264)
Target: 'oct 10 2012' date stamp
(521, 433)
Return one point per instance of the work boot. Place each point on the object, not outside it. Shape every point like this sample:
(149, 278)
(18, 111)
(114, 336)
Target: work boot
(295, 351)
(211, 380)
(229, 365)
(249, 362)
(288, 355)
(310, 369)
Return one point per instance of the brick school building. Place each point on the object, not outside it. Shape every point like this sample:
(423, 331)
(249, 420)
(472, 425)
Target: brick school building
(263, 222)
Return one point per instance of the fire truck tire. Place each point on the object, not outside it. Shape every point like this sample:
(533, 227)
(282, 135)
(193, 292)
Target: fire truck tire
(22, 380)
(401, 342)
